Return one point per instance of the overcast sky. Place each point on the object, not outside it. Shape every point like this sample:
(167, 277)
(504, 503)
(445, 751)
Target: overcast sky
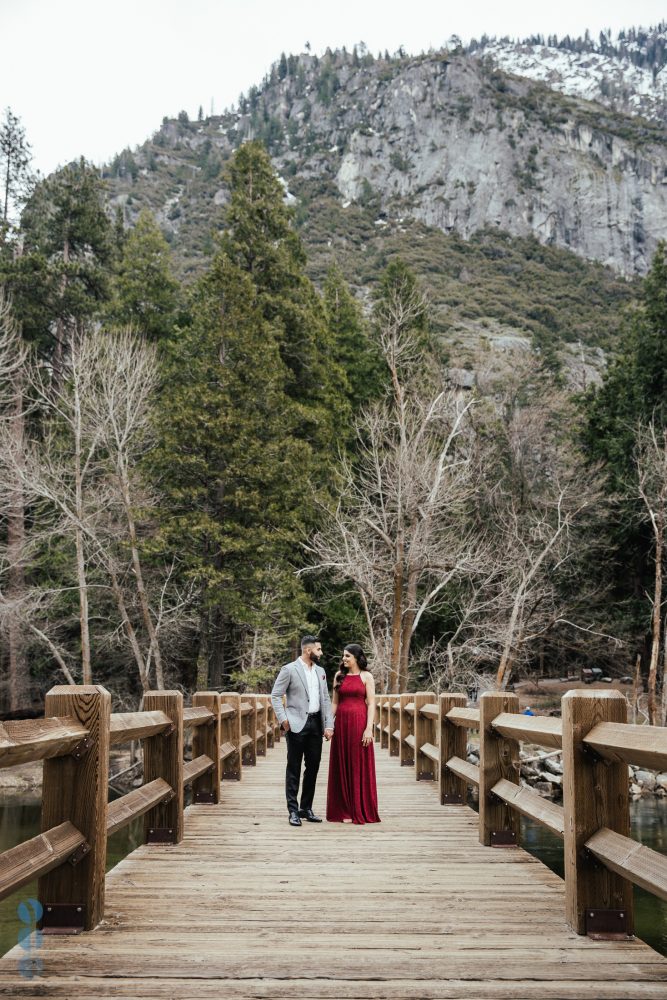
(89, 78)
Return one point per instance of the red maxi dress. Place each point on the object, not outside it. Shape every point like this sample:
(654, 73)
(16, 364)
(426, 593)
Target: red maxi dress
(352, 792)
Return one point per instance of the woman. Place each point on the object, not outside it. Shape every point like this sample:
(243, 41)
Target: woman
(352, 794)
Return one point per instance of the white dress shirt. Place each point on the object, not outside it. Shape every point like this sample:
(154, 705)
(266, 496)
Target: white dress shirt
(313, 687)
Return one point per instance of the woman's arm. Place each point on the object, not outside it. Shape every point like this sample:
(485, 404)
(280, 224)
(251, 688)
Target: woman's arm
(369, 682)
(334, 697)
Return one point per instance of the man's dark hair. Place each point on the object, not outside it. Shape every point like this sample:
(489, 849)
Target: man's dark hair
(306, 640)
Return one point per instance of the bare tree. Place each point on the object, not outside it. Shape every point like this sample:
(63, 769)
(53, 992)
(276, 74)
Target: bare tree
(651, 464)
(398, 533)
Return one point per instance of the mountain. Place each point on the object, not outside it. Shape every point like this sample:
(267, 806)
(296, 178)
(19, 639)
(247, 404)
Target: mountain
(525, 209)
(627, 73)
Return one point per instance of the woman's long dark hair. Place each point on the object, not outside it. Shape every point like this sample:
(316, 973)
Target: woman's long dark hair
(360, 657)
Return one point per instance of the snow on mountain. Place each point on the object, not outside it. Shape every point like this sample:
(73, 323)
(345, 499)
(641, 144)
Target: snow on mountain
(610, 79)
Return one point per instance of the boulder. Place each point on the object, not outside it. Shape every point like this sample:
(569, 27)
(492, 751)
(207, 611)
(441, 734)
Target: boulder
(553, 765)
(646, 779)
(661, 780)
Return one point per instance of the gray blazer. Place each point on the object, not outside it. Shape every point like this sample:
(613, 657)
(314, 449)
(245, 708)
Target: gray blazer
(292, 682)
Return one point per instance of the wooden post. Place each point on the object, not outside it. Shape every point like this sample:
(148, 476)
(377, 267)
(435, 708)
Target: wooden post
(384, 721)
(595, 795)
(249, 730)
(270, 722)
(378, 699)
(394, 726)
(499, 825)
(75, 790)
(261, 723)
(425, 732)
(206, 740)
(453, 743)
(231, 729)
(163, 758)
(405, 724)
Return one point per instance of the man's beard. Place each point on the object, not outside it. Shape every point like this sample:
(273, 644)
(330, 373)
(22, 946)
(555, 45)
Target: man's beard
(315, 657)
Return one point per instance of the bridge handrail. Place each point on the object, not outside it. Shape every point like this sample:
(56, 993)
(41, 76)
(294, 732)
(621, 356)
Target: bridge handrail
(602, 861)
(229, 731)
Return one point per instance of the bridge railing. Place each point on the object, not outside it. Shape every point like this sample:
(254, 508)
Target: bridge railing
(601, 860)
(228, 731)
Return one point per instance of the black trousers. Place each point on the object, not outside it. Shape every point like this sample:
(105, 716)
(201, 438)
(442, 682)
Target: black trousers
(304, 746)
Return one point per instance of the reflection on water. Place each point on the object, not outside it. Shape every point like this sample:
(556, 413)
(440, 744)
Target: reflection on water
(649, 825)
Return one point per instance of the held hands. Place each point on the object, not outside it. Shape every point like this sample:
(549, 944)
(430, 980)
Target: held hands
(328, 733)
(285, 726)
(367, 737)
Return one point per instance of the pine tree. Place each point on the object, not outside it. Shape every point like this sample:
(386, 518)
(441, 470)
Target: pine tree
(355, 351)
(15, 157)
(144, 290)
(232, 467)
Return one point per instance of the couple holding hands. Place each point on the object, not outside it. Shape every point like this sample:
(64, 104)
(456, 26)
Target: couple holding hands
(308, 714)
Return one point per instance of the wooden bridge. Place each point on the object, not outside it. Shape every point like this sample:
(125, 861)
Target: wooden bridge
(226, 900)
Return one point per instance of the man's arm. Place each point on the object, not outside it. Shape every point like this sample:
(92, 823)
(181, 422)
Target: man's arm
(279, 689)
(328, 714)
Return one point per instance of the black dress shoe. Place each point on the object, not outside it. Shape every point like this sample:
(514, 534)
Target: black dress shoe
(294, 819)
(309, 815)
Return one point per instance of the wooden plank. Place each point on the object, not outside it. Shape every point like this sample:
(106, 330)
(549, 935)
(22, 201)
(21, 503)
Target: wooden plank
(227, 711)
(410, 741)
(430, 711)
(530, 804)
(76, 791)
(230, 733)
(543, 730)
(33, 858)
(409, 708)
(468, 772)
(430, 751)
(246, 741)
(498, 758)
(595, 795)
(246, 708)
(632, 860)
(406, 724)
(645, 746)
(28, 740)
(226, 750)
(137, 802)
(193, 769)
(198, 715)
(127, 726)
(468, 718)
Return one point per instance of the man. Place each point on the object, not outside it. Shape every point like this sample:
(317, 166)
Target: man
(303, 718)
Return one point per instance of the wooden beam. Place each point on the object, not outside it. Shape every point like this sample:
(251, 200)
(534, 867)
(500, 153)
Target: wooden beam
(163, 758)
(38, 856)
(127, 726)
(76, 791)
(595, 795)
(468, 772)
(193, 769)
(645, 746)
(543, 730)
(498, 758)
(230, 733)
(136, 803)
(29, 740)
(453, 742)
(467, 718)
(198, 715)
(625, 856)
(426, 732)
(206, 741)
(531, 804)
(406, 724)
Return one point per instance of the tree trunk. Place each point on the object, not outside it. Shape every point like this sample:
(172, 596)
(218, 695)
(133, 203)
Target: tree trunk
(656, 620)
(19, 680)
(409, 615)
(396, 620)
(139, 577)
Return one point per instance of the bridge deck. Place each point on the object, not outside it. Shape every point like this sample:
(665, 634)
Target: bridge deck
(413, 908)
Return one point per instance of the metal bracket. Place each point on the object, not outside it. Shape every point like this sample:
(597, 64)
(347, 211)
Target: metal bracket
(201, 796)
(407, 763)
(607, 925)
(79, 853)
(503, 838)
(169, 731)
(231, 776)
(63, 918)
(81, 749)
(161, 835)
(452, 800)
(425, 776)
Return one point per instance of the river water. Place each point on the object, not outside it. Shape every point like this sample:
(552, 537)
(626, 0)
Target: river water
(649, 825)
